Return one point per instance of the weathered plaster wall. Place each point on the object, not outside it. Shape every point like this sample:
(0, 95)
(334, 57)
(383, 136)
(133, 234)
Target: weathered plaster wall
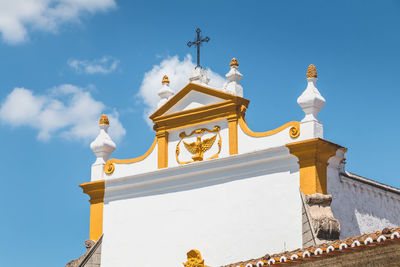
(360, 207)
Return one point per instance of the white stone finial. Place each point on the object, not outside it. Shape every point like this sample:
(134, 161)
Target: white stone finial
(311, 101)
(233, 86)
(199, 76)
(165, 92)
(102, 147)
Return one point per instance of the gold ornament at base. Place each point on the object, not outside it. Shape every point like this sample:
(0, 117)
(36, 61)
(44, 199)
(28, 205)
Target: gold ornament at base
(194, 259)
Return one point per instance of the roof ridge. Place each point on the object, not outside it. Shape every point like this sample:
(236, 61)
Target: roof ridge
(309, 253)
(371, 182)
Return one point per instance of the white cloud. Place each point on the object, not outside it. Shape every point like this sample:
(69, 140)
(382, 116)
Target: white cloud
(17, 17)
(103, 65)
(178, 73)
(67, 111)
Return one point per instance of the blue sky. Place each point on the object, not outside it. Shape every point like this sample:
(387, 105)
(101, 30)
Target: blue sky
(65, 62)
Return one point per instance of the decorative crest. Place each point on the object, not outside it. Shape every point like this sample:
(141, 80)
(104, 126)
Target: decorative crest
(104, 120)
(165, 80)
(197, 42)
(311, 71)
(194, 259)
(234, 62)
(199, 147)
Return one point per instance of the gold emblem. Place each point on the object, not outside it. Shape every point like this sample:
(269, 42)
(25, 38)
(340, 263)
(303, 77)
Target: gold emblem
(194, 259)
(199, 147)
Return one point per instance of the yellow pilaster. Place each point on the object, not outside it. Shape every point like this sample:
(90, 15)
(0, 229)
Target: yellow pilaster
(233, 135)
(313, 155)
(96, 192)
(162, 138)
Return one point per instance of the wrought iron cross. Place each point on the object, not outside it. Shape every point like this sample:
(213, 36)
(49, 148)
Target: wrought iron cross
(197, 43)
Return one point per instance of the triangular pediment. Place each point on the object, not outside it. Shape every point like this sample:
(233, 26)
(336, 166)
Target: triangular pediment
(194, 96)
(194, 99)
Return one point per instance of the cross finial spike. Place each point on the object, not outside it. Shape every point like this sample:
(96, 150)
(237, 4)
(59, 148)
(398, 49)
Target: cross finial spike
(197, 42)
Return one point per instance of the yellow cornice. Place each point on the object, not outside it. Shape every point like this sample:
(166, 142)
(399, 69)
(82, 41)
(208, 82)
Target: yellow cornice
(95, 190)
(222, 110)
(322, 148)
(109, 167)
(199, 88)
(313, 155)
(294, 132)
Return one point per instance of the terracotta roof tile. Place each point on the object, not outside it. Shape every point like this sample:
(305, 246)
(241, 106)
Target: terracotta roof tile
(333, 247)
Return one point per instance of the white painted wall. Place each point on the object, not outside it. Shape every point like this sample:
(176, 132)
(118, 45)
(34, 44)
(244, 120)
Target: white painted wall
(359, 207)
(247, 143)
(194, 99)
(148, 164)
(230, 209)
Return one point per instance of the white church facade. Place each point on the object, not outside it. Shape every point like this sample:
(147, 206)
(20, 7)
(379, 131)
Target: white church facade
(210, 184)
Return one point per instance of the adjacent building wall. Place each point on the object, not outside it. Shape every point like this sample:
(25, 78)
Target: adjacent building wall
(361, 205)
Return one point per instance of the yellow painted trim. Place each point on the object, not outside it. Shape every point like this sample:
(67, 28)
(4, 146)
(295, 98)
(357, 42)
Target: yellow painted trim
(233, 135)
(294, 132)
(204, 114)
(231, 106)
(109, 167)
(162, 137)
(96, 221)
(202, 89)
(96, 192)
(313, 155)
